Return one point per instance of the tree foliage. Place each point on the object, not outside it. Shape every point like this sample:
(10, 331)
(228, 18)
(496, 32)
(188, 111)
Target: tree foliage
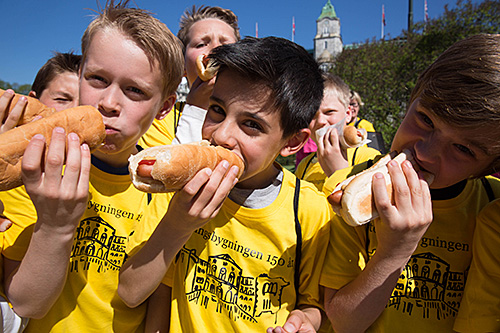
(19, 88)
(384, 72)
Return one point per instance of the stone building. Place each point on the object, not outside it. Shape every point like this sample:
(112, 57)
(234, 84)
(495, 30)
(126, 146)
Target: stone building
(328, 42)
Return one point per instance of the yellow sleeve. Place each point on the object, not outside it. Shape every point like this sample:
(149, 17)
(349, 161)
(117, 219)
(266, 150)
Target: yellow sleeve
(480, 307)
(20, 210)
(366, 125)
(161, 132)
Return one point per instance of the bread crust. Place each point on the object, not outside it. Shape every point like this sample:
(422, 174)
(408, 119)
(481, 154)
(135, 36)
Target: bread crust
(207, 72)
(86, 121)
(177, 164)
(34, 108)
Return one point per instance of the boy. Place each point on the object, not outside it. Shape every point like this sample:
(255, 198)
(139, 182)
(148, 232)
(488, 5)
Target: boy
(330, 156)
(201, 30)
(238, 271)
(356, 103)
(480, 306)
(56, 83)
(131, 67)
(402, 272)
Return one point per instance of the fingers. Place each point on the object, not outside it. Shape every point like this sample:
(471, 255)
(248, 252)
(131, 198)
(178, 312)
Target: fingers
(208, 189)
(77, 170)
(10, 121)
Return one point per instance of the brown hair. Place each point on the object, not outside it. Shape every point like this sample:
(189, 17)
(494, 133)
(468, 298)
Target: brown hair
(462, 87)
(152, 36)
(338, 86)
(194, 15)
(60, 63)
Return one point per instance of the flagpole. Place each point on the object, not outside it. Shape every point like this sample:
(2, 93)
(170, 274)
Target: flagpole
(383, 19)
(257, 29)
(293, 28)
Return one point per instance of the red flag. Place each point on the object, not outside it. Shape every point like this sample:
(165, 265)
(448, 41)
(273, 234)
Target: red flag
(425, 10)
(257, 29)
(293, 28)
(383, 15)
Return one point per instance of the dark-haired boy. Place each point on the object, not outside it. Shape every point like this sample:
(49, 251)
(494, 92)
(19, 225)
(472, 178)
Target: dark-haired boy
(239, 271)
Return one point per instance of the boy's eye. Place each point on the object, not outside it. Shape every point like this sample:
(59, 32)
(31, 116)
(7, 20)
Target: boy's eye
(253, 125)
(216, 113)
(464, 150)
(136, 90)
(426, 119)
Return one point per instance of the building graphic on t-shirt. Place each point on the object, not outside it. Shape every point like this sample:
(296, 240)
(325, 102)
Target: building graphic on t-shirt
(96, 244)
(428, 288)
(220, 281)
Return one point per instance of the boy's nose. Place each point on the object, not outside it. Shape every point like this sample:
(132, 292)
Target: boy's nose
(223, 136)
(110, 100)
(427, 150)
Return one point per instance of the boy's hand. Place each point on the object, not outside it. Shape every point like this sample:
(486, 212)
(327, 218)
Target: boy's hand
(402, 224)
(201, 198)
(331, 156)
(297, 321)
(13, 118)
(60, 200)
(199, 93)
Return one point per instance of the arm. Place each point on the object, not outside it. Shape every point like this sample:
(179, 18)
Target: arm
(358, 304)
(198, 202)
(60, 202)
(331, 156)
(305, 320)
(158, 314)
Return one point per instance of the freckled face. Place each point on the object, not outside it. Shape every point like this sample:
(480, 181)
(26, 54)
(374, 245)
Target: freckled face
(451, 154)
(204, 36)
(241, 118)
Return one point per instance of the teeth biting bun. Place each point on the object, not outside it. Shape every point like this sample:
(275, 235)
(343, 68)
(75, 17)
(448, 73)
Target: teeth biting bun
(168, 168)
(86, 121)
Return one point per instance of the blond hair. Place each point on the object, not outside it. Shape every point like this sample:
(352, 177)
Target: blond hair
(194, 15)
(355, 96)
(337, 86)
(462, 87)
(151, 35)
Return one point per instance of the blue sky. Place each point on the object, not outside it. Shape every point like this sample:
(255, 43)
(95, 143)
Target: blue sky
(32, 29)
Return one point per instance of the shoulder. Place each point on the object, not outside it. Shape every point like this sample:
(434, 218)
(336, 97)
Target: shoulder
(363, 123)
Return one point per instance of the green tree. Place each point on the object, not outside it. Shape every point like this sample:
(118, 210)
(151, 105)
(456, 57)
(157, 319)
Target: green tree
(384, 72)
(19, 88)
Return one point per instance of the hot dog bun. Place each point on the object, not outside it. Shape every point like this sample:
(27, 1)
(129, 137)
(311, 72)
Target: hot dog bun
(355, 204)
(34, 108)
(205, 72)
(354, 137)
(86, 121)
(174, 165)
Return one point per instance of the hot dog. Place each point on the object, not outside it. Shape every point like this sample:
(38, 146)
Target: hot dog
(351, 137)
(168, 168)
(34, 109)
(352, 198)
(206, 69)
(86, 121)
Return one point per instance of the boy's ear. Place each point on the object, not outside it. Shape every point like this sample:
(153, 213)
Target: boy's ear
(167, 106)
(348, 114)
(296, 142)
(32, 93)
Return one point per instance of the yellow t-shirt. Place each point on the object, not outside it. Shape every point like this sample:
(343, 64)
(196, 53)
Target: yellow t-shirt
(480, 308)
(429, 291)
(236, 274)
(89, 301)
(309, 168)
(363, 123)
(162, 132)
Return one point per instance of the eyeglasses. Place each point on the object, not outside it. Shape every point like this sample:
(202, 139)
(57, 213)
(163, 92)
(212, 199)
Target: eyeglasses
(354, 104)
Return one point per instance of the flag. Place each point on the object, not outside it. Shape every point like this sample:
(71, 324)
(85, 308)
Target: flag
(426, 13)
(257, 29)
(293, 28)
(383, 15)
